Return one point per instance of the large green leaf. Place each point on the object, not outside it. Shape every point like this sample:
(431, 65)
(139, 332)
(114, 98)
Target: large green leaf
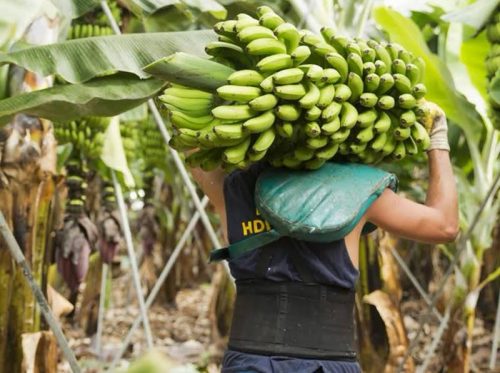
(103, 97)
(437, 78)
(494, 89)
(83, 59)
(475, 15)
(472, 54)
(189, 70)
(75, 8)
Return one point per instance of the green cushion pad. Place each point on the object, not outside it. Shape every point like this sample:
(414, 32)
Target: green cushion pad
(322, 205)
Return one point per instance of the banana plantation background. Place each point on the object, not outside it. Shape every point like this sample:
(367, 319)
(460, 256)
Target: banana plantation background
(111, 224)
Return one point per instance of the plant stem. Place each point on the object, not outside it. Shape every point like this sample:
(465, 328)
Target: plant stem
(19, 258)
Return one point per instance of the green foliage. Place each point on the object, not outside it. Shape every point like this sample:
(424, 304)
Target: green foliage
(105, 96)
(79, 60)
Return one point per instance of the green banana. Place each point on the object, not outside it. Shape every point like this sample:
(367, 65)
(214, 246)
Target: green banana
(317, 142)
(313, 72)
(229, 131)
(331, 111)
(355, 63)
(384, 56)
(368, 99)
(365, 135)
(331, 127)
(402, 83)
(406, 56)
(313, 113)
(275, 62)
(348, 115)
(225, 28)
(233, 112)
(264, 102)
(259, 123)
(238, 93)
(353, 47)
(303, 153)
(358, 148)
(356, 85)
(411, 146)
(389, 145)
(380, 68)
(229, 51)
(290, 91)
(181, 120)
(368, 55)
(402, 133)
(236, 153)
(339, 63)
(314, 164)
(367, 118)
(371, 82)
(300, 54)
(326, 96)
(265, 46)
(383, 123)
(251, 33)
(342, 92)
(330, 76)
(322, 49)
(264, 140)
(413, 73)
(407, 101)
(328, 152)
(386, 102)
(288, 112)
(340, 136)
(187, 104)
(419, 91)
(339, 42)
(369, 68)
(311, 98)
(399, 151)
(288, 76)
(386, 83)
(379, 141)
(420, 135)
(256, 156)
(271, 20)
(407, 118)
(264, 9)
(188, 93)
(285, 129)
(312, 129)
(267, 84)
(290, 161)
(245, 21)
(288, 34)
(328, 33)
(398, 66)
(245, 77)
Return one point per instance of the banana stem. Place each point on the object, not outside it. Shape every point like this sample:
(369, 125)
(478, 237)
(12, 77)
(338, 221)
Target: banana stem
(19, 258)
(100, 318)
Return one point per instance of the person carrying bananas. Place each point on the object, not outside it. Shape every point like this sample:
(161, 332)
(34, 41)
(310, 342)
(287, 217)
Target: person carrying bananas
(295, 298)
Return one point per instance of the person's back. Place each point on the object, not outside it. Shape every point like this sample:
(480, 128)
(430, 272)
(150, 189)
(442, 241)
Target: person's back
(294, 304)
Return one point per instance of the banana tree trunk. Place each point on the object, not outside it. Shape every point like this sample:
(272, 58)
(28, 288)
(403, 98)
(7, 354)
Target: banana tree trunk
(27, 163)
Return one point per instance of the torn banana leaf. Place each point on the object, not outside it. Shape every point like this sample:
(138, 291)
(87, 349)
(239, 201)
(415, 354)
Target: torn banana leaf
(107, 96)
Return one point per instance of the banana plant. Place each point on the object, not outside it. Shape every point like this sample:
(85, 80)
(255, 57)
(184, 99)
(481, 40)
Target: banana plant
(456, 80)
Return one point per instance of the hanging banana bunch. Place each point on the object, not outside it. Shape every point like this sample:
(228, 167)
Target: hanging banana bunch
(78, 237)
(299, 99)
(86, 135)
(109, 225)
(493, 62)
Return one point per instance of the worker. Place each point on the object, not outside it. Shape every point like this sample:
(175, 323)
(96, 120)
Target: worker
(295, 299)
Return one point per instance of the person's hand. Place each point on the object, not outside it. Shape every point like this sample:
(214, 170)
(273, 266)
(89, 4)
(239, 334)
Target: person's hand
(438, 127)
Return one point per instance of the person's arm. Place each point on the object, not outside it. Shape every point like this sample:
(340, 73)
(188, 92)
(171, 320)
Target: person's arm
(436, 221)
(212, 184)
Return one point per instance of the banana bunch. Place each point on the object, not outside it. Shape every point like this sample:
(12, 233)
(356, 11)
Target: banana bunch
(299, 99)
(130, 136)
(87, 30)
(86, 135)
(151, 145)
(76, 182)
(493, 62)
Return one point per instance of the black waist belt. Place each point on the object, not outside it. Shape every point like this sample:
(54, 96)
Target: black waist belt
(293, 319)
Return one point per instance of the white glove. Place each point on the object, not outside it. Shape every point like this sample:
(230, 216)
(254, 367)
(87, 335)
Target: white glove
(439, 129)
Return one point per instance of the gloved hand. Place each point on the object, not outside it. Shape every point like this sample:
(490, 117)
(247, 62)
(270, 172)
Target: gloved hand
(439, 129)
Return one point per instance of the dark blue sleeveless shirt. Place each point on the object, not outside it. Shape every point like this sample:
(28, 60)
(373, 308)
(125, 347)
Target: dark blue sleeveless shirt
(328, 263)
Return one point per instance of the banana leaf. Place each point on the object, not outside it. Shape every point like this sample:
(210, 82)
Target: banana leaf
(107, 96)
(149, 7)
(80, 60)
(473, 53)
(189, 70)
(75, 8)
(437, 78)
(494, 89)
(475, 15)
(15, 17)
